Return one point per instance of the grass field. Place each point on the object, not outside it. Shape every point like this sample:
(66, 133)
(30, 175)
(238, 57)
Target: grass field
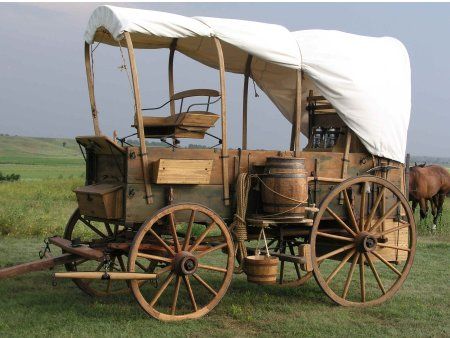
(40, 204)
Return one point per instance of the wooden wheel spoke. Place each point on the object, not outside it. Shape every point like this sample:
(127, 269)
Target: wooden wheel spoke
(375, 273)
(187, 236)
(99, 266)
(109, 230)
(173, 230)
(94, 229)
(340, 266)
(162, 289)
(393, 229)
(335, 252)
(121, 263)
(362, 210)
(341, 222)
(202, 237)
(350, 210)
(205, 284)
(191, 293)
(374, 208)
(175, 295)
(164, 270)
(389, 265)
(154, 257)
(141, 266)
(350, 275)
(393, 247)
(341, 238)
(386, 215)
(362, 278)
(212, 249)
(163, 243)
(212, 268)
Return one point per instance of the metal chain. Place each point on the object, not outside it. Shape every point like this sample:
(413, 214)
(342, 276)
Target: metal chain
(45, 249)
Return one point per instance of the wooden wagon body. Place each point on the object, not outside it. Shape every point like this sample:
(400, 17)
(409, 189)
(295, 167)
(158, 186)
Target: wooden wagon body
(155, 218)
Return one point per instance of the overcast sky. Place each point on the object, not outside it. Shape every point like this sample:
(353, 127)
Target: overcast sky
(43, 87)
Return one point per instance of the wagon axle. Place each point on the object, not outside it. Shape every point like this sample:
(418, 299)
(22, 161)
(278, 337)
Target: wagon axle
(366, 242)
(185, 263)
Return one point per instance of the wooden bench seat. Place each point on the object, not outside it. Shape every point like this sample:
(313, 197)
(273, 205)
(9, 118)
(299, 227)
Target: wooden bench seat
(193, 124)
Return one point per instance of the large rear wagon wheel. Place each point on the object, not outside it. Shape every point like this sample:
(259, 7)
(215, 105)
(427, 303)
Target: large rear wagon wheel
(191, 252)
(84, 232)
(362, 256)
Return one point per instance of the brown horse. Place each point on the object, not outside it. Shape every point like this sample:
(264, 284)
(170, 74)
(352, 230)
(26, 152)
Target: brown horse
(429, 183)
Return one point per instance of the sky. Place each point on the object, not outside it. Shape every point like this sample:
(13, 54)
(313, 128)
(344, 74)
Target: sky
(43, 88)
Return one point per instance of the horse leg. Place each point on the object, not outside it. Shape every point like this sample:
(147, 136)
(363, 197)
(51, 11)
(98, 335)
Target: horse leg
(434, 210)
(414, 206)
(439, 204)
(423, 209)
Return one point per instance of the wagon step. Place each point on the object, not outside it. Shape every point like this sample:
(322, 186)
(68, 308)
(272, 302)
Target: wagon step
(38, 265)
(80, 250)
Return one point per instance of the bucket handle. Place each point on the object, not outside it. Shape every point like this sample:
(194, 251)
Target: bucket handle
(257, 251)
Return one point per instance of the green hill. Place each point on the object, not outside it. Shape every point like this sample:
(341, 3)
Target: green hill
(36, 158)
(36, 150)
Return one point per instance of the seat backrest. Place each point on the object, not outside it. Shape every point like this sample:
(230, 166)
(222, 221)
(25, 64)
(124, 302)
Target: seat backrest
(195, 92)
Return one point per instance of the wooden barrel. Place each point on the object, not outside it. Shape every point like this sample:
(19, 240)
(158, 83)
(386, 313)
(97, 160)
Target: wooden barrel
(261, 269)
(288, 178)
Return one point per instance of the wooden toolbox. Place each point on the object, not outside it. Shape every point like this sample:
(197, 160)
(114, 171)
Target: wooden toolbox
(101, 200)
(169, 171)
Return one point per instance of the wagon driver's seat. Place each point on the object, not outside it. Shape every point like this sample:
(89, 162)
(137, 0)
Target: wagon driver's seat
(184, 124)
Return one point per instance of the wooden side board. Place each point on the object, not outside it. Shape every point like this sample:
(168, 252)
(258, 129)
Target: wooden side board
(170, 171)
(137, 210)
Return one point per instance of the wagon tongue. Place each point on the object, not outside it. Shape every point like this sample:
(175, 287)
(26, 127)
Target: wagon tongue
(74, 251)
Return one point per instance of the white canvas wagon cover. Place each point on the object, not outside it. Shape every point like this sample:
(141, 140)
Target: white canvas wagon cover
(366, 79)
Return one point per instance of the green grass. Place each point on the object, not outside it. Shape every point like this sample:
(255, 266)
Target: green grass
(32, 307)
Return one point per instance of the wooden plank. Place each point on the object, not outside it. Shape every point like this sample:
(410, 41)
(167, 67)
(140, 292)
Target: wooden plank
(100, 145)
(38, 265)
(138, 117)
(208, 195)
(248, 66)
(169, 171)
(90, 82)
(82, 250)
(298, 115)
(348, 139)
(173, 47)
(105, 276)
(223, 106)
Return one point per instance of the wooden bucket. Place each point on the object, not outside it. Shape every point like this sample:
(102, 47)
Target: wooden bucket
(261, 269)
(286, 176)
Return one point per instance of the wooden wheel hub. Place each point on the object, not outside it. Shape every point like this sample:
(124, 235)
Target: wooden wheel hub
(185, 263)
(366, 242)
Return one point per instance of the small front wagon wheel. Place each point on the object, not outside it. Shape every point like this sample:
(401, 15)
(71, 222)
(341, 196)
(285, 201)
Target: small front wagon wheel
(363, 241)
(190, 249)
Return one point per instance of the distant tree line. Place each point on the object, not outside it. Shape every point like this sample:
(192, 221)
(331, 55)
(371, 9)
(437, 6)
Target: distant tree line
(444, 161)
